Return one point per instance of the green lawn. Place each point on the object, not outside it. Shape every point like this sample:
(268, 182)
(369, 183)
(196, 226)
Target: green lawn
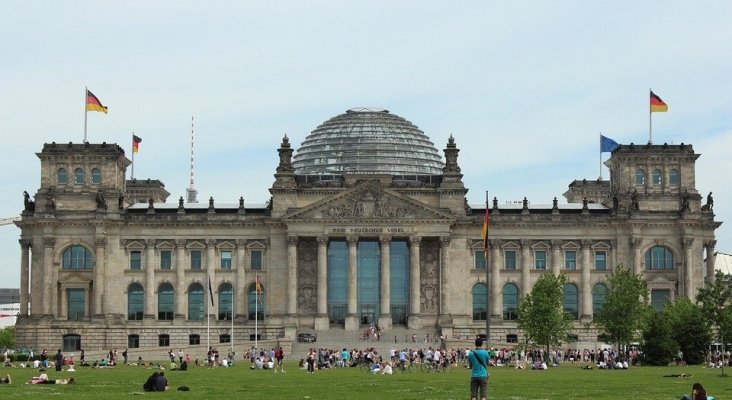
(565, 382)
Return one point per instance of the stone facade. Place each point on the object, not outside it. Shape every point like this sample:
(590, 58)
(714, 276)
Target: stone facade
(88, 248)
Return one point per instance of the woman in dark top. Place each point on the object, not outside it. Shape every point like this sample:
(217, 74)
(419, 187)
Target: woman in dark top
(697, 393)
(149, 385)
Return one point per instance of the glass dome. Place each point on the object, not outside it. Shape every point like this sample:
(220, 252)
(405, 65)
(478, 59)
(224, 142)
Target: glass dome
(367, 141)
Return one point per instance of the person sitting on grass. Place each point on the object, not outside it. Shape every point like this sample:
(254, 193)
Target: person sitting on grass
(149, 385)
(161, 383)
(387, 370)
(697, 393)
(6, 380)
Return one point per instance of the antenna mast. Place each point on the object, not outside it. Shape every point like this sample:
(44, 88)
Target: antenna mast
(191, 192)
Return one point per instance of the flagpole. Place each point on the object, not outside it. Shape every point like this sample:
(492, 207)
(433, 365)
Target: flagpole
(256, 309)
(208, 317)
(487, 284)
(232, 319)
(600, 156)
(650, 120)
(86, 93)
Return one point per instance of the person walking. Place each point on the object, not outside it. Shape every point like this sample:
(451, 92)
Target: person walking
(478, 362)
(59, 360)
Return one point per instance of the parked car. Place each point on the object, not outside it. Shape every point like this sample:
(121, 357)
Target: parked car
(307, 337)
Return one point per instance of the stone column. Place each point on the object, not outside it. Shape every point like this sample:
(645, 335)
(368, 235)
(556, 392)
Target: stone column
(352, 322)
(150, 288)
(180, 282)
(292, 275)
(586, 289)
(711, 259)
(240, 289)
(25, 246)
(496, 311)
(445, 309)
(385, 283)
(322, 322)
(64, 303)
(211, 275)
(636, 244)
(48, 247)
(525, 267)
(556, 257)
(101, 306)
(414, 321)
(688, 244)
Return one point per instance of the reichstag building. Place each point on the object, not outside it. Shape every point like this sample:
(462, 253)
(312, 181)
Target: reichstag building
(367, 223)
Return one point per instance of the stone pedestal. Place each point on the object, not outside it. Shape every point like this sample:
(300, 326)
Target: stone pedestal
(414, 322)
(351, 323)
(385, 321)
(322, 323)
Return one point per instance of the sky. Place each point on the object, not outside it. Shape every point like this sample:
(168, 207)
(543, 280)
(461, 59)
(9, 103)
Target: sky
(525, 87)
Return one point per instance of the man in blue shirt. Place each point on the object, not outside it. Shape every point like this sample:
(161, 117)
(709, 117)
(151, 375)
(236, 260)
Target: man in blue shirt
(478, 361)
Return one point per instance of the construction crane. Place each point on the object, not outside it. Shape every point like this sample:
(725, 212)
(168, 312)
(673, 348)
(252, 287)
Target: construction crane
(8, 221)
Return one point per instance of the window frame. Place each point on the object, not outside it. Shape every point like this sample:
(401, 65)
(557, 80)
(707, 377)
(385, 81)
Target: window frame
(540, 262)
(166, 263)
(196, 262)
(640, 177)
(135, 260)
(96, 176)
(600, 264)
(79, 176)
(61, 172)
(570, 264)
(259, 264)
(673, 177)
(506, 259)
(479, 262)
(226, 263)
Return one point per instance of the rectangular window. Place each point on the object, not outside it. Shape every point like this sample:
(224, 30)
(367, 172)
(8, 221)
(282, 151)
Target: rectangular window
(164, 340)
(659, 298)
(194, 340)
(600, 260)
(226, 259)
(479, 262)
(540, 259)
(570, 260)
(195, 259)
(165, 259)
(135, 260)
(75, 303)
(509, 259)
(133, 341)
(256, 259)
(224, 338)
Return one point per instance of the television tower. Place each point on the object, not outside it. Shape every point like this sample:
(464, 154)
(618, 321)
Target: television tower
(191, 192)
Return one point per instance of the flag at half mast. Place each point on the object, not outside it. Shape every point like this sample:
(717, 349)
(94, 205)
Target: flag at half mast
(93, 103)
(657, 105)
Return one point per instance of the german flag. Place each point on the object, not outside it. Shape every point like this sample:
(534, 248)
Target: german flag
(136, 140)
(484, 231)
(93, 103)
(657, 105)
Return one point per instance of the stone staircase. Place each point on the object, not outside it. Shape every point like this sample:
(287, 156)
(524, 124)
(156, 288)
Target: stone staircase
(337, 338)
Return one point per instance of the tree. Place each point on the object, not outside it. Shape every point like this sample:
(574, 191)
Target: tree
(623, 313)
(7, 337)
(689, 329)
(715, 300)
(541, 313)
(659, 346)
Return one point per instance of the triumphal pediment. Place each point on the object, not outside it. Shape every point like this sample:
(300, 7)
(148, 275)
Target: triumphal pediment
(369, 201)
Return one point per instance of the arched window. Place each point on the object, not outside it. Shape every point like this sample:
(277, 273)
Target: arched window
(657, 178)
(79, 176)
(599, 291)
(62, 177)
(226, 301)
(479, 302)
(640, 177)
(257, 301)
(571, 301)
(673, 177)
(96, 176)
(510, 302)
(135, 302)
(659, 257)
(195, 302)
(166, 302)
(76, 257)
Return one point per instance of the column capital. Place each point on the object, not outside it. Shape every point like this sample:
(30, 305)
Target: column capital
(525, 243)
(292, 240)
(710, 245)
(150, 243)
(415, 240)
(687, 242)
(25, 243)
(585, 243)
(100, 242)
(385, 240)
(636, 242)
(555, 243)
(180, 243)
(352, 240)
(322, 240)
(49, 241)
(241, 243)
(210, 242)
(495, 243)
(445, 240)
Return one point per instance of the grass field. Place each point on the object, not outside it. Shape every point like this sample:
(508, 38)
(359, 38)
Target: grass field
(239, 382)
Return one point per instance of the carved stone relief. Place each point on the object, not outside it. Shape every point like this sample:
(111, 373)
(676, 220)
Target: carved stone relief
(368, 204)
(429, 259)
(307, 286)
